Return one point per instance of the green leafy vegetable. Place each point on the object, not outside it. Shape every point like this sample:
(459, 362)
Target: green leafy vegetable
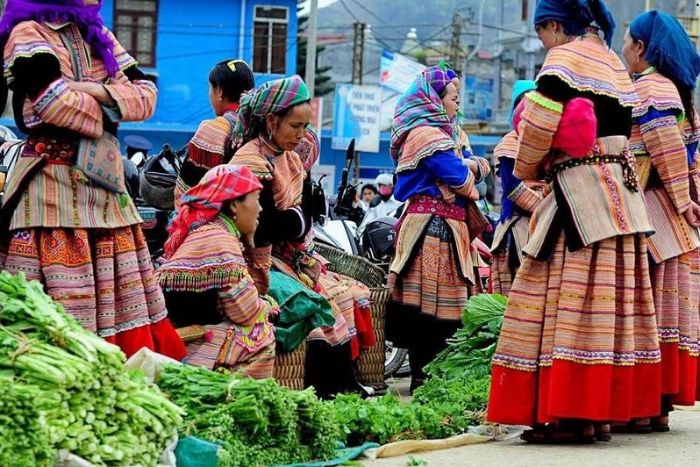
(68, 389)
(257, 422)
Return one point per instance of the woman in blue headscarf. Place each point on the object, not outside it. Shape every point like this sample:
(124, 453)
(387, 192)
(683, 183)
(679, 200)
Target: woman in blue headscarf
(579, 333)
(519, 200)
(665, 134)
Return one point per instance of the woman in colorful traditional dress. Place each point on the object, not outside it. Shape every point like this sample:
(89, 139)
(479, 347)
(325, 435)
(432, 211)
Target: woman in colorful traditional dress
(578, 346)
(209, 273)
(272, 123)
(433, 272)
(212, 144)
(665, 134)
(72, 83)
(519, 200)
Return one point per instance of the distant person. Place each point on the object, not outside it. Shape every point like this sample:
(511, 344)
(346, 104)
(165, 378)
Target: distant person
(383, 204)
(369, 192)
(212, 144)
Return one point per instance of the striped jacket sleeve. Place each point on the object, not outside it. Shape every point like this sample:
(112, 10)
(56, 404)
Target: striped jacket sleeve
(539, 123)
(664, 143)
(242, 303)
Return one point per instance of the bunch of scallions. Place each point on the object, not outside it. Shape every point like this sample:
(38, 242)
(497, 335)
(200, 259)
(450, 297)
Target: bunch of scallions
(62, 387)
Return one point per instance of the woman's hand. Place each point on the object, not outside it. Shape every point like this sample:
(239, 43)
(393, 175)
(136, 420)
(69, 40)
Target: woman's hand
(692, 215)
(95, 90)
(473, 166)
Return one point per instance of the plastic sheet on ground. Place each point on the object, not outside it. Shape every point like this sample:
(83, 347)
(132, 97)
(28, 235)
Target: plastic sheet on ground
(66, 459)
(477, 435)
(694, 408)
(149, 362)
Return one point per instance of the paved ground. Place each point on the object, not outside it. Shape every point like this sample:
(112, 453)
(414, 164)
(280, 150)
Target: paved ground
(680, 447)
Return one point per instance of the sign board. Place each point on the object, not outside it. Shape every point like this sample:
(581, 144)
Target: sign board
(397, 72)
(317, 115)
(356, 115)
(477, 98)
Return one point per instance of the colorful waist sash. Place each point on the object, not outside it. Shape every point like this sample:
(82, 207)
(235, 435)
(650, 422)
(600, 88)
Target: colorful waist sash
(428, 205)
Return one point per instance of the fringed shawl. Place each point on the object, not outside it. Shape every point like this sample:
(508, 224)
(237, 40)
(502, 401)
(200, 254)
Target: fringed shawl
(210, 258)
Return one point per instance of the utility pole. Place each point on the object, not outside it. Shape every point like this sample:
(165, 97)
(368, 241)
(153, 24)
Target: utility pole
(311, 47)
(358, 51)
(456, 35)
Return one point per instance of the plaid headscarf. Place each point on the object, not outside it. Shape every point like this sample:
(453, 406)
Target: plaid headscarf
(271, 97)
(421, 105)
(203, 202)
(669, 48)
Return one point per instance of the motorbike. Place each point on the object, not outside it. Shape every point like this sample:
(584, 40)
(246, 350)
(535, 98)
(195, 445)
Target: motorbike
(151, 184)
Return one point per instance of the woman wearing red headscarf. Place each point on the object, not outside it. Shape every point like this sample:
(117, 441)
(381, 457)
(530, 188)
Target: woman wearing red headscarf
(208, 269)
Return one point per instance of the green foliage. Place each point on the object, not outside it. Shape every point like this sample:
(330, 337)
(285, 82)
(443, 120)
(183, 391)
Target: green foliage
(470, 350)
(257, 422)
(65, 388)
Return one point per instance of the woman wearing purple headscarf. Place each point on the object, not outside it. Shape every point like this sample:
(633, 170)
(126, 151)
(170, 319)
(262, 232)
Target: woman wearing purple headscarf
(432, 274)
(71, 225)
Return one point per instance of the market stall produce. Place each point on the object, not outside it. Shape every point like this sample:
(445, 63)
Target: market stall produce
(257, 422)
(64, 388)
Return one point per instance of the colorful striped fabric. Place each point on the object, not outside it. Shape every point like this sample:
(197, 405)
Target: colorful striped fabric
(433, 282)
(655, 91)
(285, 171)
(579, 321)
(659, 143)
(420, 143)
(102, 277)
(64, 108)
(206, 150)
(587, 64)
(58, 196)
(676, 285)
(420, 106)
(594, 210)
(211, 258)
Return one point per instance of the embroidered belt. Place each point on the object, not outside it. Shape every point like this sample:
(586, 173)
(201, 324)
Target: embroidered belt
(626, 160)
(61, 151)
(428, 205)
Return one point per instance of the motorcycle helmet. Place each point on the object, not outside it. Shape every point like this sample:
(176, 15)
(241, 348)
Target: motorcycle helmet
(157, 185)
(378, 239)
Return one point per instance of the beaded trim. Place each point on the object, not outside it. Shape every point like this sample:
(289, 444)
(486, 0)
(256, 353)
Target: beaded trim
(629, 171)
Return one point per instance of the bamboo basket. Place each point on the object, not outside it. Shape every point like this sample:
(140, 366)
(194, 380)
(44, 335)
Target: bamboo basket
(290, 367)
(369, 367)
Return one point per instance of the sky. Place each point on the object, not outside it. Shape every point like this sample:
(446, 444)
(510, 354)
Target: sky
(321, 4)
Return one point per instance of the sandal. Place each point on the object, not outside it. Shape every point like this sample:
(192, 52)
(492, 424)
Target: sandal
(636, 427)
(551, 434)
(660, 424)
(603, 432)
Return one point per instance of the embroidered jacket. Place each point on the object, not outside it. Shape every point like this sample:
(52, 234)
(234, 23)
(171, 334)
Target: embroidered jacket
(57, 117)
(595, 197)
(212, 259)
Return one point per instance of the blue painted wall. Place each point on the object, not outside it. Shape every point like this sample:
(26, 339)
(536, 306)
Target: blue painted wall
(192, 37)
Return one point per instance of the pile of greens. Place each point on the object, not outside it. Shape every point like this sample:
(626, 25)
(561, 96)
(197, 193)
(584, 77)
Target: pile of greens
(65, 388)
(257, 422)
(469, 351)
(453, 397)
(439, 409)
